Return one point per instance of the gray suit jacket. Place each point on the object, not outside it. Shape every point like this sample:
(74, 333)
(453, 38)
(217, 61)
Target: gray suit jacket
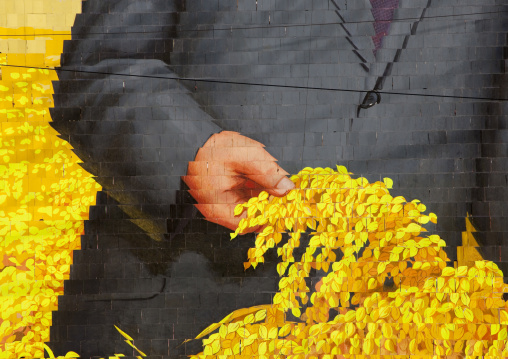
(138, 133)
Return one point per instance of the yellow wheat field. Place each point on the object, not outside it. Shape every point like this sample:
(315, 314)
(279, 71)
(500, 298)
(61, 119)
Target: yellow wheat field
(44, 193)
(45, 198)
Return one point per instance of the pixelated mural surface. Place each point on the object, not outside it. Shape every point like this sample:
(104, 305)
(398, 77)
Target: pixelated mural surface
(44, 193)
(253, 178)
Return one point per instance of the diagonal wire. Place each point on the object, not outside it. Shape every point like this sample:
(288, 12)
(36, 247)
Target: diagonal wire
(490, 99)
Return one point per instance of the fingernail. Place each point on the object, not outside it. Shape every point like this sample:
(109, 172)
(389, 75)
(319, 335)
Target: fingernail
(284, 185)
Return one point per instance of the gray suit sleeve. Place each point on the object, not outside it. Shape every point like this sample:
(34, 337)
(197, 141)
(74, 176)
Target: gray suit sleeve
(129, 119)
(136, 132)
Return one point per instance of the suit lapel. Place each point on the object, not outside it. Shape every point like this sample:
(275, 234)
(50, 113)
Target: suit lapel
(360, 45)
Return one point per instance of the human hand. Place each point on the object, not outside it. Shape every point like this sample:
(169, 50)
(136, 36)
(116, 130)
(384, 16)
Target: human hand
(230, 169)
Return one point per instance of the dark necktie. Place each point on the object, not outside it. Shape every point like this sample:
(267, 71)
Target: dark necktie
(382, 10)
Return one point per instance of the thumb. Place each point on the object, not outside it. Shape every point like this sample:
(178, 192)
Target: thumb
(282, 187)
(270, 177)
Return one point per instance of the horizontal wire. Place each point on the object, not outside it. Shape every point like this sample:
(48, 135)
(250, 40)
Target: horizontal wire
(262, 27)
(490, 99)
